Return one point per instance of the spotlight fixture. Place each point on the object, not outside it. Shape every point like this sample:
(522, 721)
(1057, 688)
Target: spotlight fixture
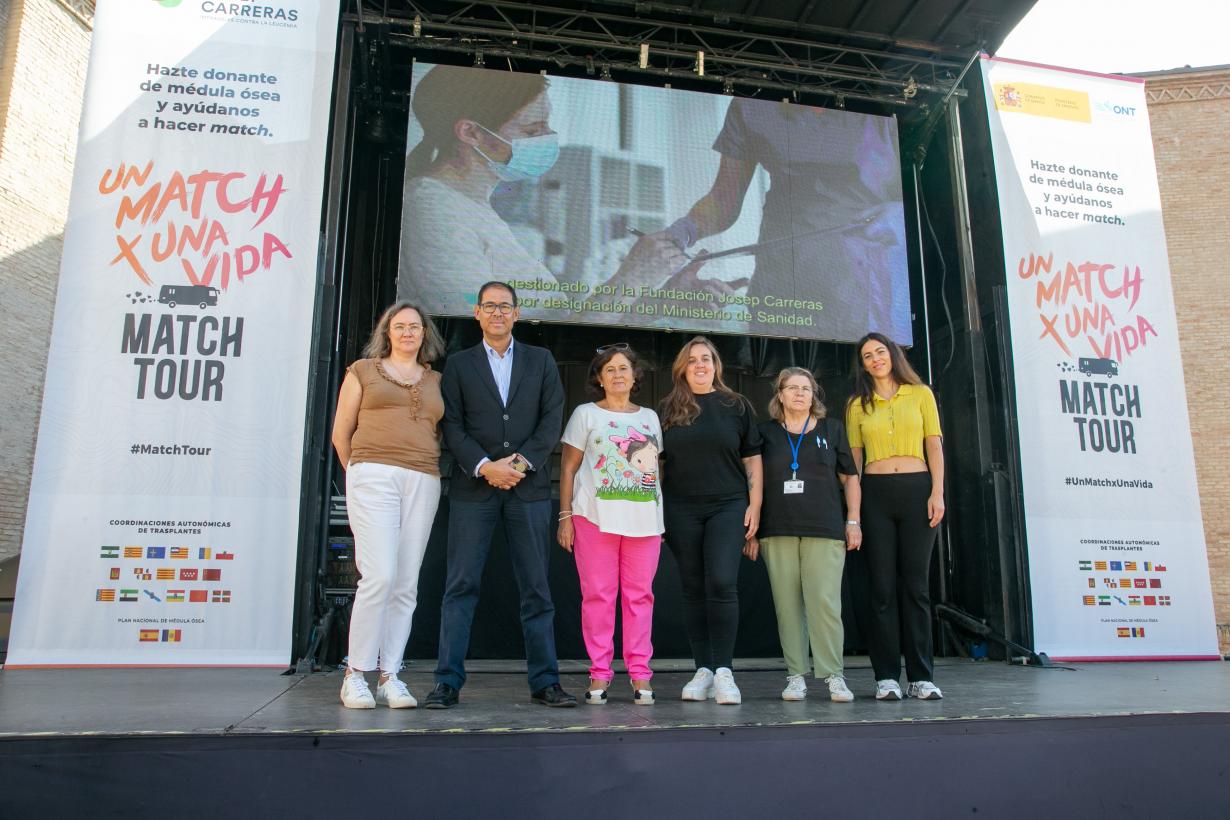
(840, 102)
(606, 72)
(417, 27)
(643, 60)
(728, 87)
(478, 59)
(589, 65)
(700, 63)
(911, 88)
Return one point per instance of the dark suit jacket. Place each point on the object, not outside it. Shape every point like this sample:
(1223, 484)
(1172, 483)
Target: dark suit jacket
(477, 424)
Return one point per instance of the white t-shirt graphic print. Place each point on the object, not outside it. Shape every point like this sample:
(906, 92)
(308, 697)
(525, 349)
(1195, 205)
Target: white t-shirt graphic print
(616, 487)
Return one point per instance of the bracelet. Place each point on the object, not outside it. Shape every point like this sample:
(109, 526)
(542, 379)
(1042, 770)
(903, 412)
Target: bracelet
(853, 523)
(564, 515)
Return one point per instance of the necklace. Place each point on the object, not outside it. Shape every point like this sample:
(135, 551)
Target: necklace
(398, 374)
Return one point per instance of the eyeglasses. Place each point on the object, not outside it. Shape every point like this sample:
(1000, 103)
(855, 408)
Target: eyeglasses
(794, 388)
(411, 328)
(620, 346)
(504, 308)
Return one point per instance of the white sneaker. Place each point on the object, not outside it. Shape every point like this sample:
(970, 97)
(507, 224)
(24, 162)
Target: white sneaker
(796, 688)
(700, 687)
(395, 693)
(925, 690)
(838, 691)
(888, 689)
(355, 692)
(724, 690)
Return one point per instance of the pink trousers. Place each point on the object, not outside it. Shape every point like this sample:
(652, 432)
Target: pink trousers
(613, 566)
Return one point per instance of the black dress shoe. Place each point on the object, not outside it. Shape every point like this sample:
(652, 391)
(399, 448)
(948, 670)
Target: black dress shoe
(553, 695)
(442, 697)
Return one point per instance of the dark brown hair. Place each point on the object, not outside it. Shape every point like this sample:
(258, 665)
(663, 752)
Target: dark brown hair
(378, 345)
(449, 93)
(593, 382)
(679, 408)
(864, 385)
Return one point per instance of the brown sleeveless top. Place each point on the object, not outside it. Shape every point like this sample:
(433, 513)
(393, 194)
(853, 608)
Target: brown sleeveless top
(399, 424)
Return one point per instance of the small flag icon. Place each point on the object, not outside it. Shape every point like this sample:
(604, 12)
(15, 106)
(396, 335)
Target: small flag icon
(188, 575)
(203, 553)
(1121, 601)
(179, 553)
(1125, 583)
(1148, 567)
(1138, 632)
(1150, 600)
(1100, 566)
(115, 573)
(1155, 583)
(225, 556)
(175, 596)
(221, 596)
(142, 574)
(1116, 566)
(198, 596)
(1123, 632)
(1092, 583)
(1129, 566)
(211, 575)
(1133, 600)
(149, 634)
(156, 552)
(1086, 565)
(165, 574)
(105, 595)
(108, 552)
(1088, 600)
(1140, 583)
(1163, 600)
(128, 594)
(133, 552)
(1159, 567)
(1110, 583)
(171, 635)
(152, 596)
(1103, 600)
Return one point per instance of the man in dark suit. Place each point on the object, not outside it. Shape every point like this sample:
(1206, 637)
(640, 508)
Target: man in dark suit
(503, 410)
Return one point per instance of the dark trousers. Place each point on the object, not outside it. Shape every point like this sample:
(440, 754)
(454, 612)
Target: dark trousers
(527, 529)
(897, 544)
(706, 538)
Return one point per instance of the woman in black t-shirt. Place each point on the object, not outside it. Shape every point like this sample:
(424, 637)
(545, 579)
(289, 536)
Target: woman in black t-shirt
(711, 489)
(803, 534)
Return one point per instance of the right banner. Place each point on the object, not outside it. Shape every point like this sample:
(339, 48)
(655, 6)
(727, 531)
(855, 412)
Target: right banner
(1117, 559)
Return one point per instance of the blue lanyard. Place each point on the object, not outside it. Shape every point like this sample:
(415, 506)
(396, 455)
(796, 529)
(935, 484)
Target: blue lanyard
(794, 450)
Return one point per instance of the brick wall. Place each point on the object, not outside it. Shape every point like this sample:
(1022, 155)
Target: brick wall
(43, 57)
(1189, 111)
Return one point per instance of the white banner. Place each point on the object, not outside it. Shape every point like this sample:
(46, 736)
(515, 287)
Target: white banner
(1116, 543)
(163, 514)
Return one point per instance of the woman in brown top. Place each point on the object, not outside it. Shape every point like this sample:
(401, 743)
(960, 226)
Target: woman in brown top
(386, 433)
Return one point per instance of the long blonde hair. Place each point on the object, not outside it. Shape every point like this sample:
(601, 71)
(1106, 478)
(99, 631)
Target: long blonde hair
(679, 408)
(378, 346)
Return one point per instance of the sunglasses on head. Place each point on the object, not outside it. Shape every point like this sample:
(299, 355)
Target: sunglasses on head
(616, 346)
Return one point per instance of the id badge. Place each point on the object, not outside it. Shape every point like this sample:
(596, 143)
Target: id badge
(793, 487)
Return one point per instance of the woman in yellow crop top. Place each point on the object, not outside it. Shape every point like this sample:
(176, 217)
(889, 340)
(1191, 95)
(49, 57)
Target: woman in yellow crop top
(894, 429)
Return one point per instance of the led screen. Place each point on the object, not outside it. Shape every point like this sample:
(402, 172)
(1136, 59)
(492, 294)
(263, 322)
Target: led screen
(605, 203)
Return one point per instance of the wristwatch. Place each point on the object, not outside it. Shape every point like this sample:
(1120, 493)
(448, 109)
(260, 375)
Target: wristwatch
(852, 523)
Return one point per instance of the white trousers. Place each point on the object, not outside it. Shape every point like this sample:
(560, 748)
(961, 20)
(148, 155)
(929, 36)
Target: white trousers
(391, 510)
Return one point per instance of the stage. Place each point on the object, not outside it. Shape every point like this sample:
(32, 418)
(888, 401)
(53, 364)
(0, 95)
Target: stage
(1099, 739)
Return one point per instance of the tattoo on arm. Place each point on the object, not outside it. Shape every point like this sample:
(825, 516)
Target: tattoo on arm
(751, 478)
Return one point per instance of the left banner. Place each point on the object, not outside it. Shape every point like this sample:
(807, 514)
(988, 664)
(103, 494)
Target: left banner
(164, 504)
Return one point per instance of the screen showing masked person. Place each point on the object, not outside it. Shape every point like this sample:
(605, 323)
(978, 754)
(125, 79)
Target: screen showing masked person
(647, 207)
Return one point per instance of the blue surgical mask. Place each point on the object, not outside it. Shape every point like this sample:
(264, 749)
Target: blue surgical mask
(531, 157)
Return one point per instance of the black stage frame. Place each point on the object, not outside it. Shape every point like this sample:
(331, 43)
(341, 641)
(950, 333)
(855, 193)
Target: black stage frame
(956, 267)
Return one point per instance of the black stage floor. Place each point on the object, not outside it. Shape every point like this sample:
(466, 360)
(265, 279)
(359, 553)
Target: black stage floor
(1089, 739)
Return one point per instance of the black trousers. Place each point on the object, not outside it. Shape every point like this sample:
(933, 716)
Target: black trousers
(897, 544)
(706, 538)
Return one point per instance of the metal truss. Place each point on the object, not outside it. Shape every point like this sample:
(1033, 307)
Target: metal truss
(743, 53)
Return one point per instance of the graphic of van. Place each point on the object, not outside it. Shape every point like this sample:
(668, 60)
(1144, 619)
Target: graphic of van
(202, 296)
(1099, 367)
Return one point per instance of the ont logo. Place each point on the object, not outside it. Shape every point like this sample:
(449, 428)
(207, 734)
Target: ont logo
(1113, 108)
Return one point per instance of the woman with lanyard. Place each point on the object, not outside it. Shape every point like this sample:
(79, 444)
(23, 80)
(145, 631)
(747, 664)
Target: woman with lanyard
(611, 518)
(712, 485)
(803, 533)
(894, 424)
